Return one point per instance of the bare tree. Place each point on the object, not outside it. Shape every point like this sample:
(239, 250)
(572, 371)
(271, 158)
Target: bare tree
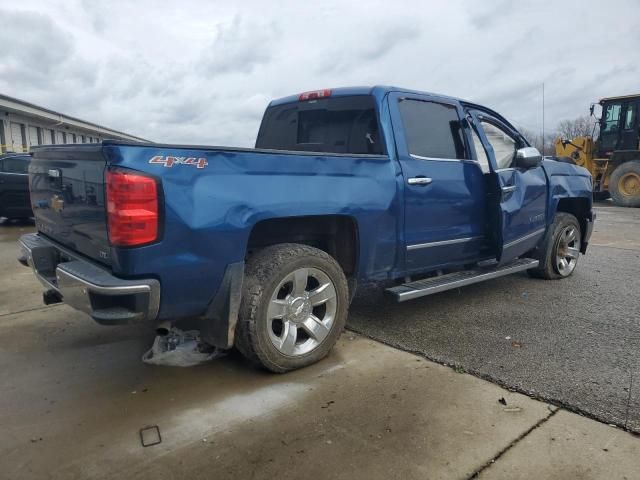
(578, 127)
(545, 147)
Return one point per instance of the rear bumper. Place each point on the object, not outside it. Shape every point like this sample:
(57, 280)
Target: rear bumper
(87, 287)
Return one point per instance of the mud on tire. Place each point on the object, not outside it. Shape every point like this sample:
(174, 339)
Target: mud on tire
(293, 309)
(624, 184)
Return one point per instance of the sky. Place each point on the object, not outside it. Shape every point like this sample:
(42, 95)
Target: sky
(204, 71)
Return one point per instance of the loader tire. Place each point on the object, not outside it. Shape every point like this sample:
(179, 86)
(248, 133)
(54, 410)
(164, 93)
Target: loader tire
(293, 309)
(624, 184)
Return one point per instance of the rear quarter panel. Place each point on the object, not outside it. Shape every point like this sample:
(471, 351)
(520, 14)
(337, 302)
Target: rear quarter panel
(209, 212)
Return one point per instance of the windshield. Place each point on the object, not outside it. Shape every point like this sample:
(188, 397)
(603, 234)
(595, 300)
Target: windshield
(334, 125)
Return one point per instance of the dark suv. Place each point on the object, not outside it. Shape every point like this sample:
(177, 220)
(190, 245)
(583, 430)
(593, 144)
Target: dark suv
(14, 185)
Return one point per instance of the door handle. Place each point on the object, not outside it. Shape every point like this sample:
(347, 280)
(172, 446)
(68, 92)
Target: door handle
(509, 189)
(419, 181)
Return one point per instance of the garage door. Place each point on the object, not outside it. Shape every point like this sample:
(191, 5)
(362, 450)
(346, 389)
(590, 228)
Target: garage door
(47, 136)
(33, 137)
(18, 143)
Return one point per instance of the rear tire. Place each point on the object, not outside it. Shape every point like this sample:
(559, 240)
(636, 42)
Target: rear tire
(624, 184)
(294, 307)
(560, 249)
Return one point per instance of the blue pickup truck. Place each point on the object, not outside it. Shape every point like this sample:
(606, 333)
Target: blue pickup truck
(265, 247)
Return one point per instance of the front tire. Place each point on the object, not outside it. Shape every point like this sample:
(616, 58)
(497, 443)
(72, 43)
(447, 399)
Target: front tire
(293, 309)
(560, 249)
(624, 184)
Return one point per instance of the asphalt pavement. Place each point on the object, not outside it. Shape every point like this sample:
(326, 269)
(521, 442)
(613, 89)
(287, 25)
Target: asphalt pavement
(573, 342)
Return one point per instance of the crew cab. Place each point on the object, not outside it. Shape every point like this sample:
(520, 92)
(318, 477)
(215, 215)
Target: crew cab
(265, 247)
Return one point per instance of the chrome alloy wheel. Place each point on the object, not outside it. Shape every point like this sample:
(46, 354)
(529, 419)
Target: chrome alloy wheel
(567, 250)
(301, 311)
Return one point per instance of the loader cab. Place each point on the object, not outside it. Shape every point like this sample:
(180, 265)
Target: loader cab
(619, 126)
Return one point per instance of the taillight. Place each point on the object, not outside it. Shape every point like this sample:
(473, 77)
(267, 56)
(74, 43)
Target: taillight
(314, 95)
(132, 208)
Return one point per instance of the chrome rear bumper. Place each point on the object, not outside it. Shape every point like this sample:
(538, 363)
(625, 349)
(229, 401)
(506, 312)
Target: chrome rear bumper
(87, 287)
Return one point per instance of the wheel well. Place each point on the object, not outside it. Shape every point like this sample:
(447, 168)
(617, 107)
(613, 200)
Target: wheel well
(578, 207)
(335, 234)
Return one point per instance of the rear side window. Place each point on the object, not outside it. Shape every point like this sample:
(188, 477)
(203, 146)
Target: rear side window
(629, 117)
(432, 129)
(15, 165)
(333, 125)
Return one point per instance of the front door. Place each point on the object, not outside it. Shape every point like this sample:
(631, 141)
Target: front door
(519, 196)
(444, 192)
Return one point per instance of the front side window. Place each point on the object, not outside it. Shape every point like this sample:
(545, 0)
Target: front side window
(504, 145)
(611, 117)
(432, 129)
(483, 160)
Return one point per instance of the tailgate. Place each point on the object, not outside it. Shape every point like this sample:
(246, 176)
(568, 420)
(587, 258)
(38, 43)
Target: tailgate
(67, 195)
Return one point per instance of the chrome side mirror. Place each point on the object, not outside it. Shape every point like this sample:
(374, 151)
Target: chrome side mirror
(528, 157)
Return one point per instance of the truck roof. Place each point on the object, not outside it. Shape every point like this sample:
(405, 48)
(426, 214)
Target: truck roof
(379, 91)
(376, 90)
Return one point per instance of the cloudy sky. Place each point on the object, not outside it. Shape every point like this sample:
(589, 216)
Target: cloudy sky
(204, 71)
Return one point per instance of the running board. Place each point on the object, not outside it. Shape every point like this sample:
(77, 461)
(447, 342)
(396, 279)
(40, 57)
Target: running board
(431, 285)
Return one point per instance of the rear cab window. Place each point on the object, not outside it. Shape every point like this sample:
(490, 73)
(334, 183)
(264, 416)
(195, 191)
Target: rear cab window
(342, 124)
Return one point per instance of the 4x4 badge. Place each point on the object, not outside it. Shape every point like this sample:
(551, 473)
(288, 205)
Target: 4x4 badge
(169, 161)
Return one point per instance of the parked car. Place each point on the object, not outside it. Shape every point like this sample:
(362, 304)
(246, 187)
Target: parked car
(14, 185)
(266, 246)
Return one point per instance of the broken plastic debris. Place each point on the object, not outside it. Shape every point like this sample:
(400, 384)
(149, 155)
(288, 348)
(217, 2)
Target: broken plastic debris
(180, 349)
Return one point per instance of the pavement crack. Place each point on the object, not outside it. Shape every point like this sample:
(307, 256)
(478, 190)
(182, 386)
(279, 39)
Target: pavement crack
(626, 420)
(44, 307)
(538, 424)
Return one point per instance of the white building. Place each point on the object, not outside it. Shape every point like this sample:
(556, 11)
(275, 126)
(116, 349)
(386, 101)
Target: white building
(25, 125)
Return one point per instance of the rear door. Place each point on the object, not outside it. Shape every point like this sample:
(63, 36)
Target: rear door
(518, 196)
(444, 192)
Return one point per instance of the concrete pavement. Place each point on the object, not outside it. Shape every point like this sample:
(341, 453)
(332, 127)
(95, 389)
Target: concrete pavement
(75, 394)
(574, 342)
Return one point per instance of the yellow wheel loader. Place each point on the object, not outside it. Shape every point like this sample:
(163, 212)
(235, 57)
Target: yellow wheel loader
(614, 158)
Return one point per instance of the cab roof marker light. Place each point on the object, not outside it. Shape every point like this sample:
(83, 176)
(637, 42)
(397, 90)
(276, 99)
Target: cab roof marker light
(314, 95)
